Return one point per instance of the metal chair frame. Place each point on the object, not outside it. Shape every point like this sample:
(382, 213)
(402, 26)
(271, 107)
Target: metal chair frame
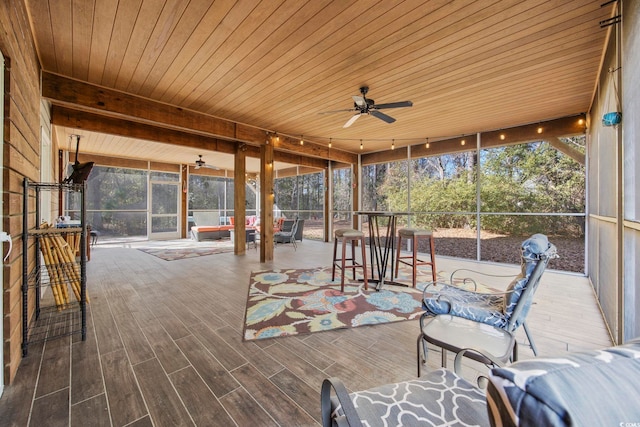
(514, 319)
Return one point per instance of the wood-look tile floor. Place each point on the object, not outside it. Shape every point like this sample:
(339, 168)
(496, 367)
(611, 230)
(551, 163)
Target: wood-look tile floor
(164, 346)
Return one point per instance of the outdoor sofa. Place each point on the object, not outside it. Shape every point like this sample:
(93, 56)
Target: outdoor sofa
(205, 230)
(210, 232)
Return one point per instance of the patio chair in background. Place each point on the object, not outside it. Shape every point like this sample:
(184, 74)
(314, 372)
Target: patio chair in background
(503, 310)
(288, 236)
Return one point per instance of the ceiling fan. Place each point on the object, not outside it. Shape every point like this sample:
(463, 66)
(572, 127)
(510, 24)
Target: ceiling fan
(202, 164)
(363, 105)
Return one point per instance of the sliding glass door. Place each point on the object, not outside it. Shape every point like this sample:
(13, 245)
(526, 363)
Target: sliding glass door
(164, 212)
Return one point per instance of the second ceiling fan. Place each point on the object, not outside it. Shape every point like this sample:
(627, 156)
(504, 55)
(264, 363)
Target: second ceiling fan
(363, 105)
(202, 164)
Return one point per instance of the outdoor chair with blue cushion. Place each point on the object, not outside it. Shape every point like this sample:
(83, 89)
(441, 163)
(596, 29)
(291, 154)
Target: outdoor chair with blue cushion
(439, 398)
(589, 388)
(504, 310)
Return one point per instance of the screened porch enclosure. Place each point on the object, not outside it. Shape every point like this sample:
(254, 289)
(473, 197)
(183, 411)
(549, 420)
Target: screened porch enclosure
(481, 206)
(481, 201)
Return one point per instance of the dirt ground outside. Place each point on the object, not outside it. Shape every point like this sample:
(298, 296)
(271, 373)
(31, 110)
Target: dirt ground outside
(461, 243)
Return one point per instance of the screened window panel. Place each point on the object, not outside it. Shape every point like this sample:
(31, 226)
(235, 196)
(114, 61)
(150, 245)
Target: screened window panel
(565, 232)
(118, 224)
(111, 188)
(533, 177)
(632, 283)
(164, 176)
(342, 198)
(165, 199)
(606, 260)
(206, 192)
(444, 183)
(164, 224)
(371, 180)
(632, 174)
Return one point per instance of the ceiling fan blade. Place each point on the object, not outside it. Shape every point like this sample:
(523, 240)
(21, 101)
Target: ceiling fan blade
(351, 120)
(337, 111)
(395, 105)
(382, 116)
(360, 101)
(215, 168)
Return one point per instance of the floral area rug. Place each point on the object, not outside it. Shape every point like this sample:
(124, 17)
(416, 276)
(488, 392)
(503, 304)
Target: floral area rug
(291, 302)
(173, 253)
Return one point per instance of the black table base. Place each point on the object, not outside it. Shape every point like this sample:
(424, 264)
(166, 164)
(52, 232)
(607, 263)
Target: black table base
(382, 247)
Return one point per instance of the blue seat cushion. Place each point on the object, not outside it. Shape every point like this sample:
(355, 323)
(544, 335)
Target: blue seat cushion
(593, 388)
(532, 249)
(481, 307)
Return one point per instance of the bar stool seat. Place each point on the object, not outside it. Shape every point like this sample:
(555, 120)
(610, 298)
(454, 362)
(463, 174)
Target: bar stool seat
(414, 235)
(346, 235)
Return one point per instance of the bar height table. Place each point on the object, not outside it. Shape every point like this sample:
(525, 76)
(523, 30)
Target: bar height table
(382, 251)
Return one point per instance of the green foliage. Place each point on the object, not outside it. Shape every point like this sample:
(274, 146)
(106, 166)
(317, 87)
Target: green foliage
(342, 190)
(110, 190)
(372, 179)
(207, 193)
(521, 179)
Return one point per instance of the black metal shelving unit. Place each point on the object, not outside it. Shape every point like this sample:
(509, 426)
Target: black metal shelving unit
(43, 316)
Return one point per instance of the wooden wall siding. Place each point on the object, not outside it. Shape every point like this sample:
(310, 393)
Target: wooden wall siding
(467, 66)
(21, 158)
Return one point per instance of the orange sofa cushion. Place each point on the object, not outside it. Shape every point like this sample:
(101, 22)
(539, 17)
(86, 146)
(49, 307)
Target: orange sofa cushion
(205, 228)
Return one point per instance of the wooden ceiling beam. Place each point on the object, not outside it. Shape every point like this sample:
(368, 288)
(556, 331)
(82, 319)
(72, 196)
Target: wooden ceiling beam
(542, 131)
(109, 103)
(566, 149)
(100, 100)
(84, 120)
(295, 171)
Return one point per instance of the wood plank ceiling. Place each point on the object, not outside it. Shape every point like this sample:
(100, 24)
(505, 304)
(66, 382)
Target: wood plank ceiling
(466, 65)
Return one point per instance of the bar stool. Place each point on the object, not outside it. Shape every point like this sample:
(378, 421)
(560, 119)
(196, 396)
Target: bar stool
(414, 235)
(349, 235)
